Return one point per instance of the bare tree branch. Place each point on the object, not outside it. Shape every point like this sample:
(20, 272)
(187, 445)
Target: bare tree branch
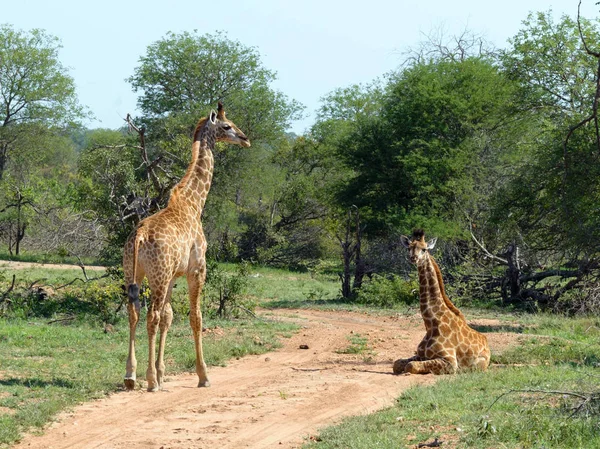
(150, 166)
(487, 253)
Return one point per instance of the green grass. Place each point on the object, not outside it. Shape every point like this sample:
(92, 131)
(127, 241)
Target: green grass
(358, 345)
(281, 288)
(41, 257)
(43, 275)
(46, 368)
(507, 407)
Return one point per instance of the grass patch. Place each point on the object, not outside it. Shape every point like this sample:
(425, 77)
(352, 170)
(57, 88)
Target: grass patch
(551, 340)
(35, 257)
(47, 368)
(510, 407)
(459, 412)
(281, 288)
(358, 345)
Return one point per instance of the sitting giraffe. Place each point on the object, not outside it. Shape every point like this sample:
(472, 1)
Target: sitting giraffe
(449, 343)
(170, 244)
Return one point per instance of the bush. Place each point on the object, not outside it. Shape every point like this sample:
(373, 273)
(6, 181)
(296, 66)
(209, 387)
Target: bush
(388, 291)
(225, 292)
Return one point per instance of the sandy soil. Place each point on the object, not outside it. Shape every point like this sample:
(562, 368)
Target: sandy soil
(277, 399)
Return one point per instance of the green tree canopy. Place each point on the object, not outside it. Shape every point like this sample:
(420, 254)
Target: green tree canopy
(34, 87)
(551, 200)
(417, 162)
(184, 75)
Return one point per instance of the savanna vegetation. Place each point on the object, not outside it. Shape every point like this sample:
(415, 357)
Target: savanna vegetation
(493, 150)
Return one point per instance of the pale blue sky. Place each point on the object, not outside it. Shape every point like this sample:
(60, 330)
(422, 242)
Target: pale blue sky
(314, 46)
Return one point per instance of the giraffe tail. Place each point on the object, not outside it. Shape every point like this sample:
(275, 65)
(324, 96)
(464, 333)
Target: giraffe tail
(133, 293)
(133, 290)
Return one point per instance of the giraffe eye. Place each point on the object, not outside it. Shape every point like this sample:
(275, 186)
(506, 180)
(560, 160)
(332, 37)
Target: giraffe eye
(423, 250)
(226, 127)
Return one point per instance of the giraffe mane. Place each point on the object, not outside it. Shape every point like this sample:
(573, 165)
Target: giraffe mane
(447, 301)
(199, 126)
(177, 189)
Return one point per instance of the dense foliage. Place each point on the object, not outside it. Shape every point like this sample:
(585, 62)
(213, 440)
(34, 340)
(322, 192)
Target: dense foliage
(494, 151)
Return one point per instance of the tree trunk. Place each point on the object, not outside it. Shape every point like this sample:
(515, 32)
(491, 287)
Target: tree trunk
(513, 272)
(345, 276)
(3, 158)
(351, 251)
(360, 267)
(222, 299)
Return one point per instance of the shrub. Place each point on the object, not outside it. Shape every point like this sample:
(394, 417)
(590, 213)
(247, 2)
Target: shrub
(225, 292)
(388, 291)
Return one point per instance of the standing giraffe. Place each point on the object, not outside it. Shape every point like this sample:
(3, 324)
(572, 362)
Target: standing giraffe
(449, 343)
(170, 244)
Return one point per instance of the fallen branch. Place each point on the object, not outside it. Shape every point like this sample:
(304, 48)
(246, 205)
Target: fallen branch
(62, 320)
(4, 296)
(584, 398)
(248, 311)
(68, 283)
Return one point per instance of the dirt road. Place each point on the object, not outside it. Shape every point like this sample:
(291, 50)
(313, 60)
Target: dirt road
(274, 400)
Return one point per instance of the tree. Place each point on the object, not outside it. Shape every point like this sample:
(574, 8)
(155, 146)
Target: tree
(285, 228)
(185, 74)
(33, 190)
(422, 160)
(552, 202)
(181, 78)
(34, 87)
(543, 222)
(112, 187)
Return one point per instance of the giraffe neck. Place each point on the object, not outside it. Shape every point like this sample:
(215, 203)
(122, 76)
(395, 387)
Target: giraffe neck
(433, 300)
(195, 184)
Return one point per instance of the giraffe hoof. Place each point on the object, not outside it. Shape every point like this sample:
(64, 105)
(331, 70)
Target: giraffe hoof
(203, 383)
(153, 389)
(129, 384)
(399, 366)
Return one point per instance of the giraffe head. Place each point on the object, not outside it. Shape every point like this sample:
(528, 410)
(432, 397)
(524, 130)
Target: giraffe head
(225, 129)
(418, 249)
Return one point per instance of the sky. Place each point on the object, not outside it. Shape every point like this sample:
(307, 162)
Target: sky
(314, 46)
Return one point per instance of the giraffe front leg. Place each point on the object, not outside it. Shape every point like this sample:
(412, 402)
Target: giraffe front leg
(435, 366)
(400, 364)
(195, 283)
(130, 373)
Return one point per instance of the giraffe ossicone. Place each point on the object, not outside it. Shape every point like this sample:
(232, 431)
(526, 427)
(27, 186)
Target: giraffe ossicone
(450, 344)
(170, 244)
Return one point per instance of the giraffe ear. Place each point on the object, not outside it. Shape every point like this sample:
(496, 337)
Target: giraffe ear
(431, 243)
(405, 241)
(213, 117)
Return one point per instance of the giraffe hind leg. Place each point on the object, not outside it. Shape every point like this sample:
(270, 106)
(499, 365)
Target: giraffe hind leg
(130, 369)
(155, 311)
(133, 309)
